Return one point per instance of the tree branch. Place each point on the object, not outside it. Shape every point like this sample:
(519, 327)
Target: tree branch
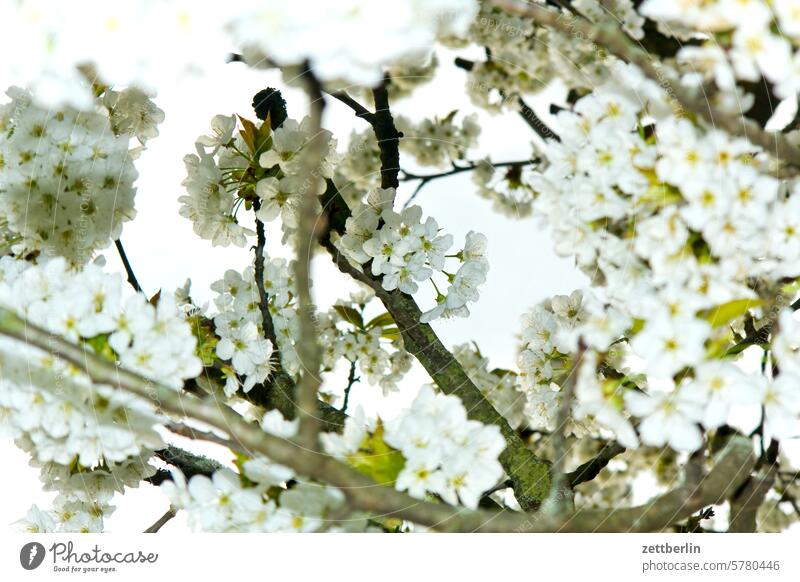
(530, 475)
(280, 381)
(535, 122)
(591, 468)
(425, 178)
(747, 500)
(263, 298)
(387, 135)
(190, 464)
(351, 379)
(128, 268)
(161, 521)
(308, 230)
(359, 109)
(734, 463)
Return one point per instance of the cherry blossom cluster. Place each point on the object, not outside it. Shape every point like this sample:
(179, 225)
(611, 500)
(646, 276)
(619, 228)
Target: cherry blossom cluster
(437, 142)
(746, 40)
(253, 165)
(443, 452)
(403, 251)
(254, 501)
(520, 62)
(366, 36)
(621, 12)
(89, 306)
(670, 220)
(239, 324)
(263, 497)
(55, 60)
(374, 344)
(67, 181)
(90, 441)
(84, 496)
(508, 188)
(523, 58)
(544, 358)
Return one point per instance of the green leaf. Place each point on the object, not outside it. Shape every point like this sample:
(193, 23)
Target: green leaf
(638, 325)
(377, 459)
(263, 137)
(727, 312)
(101, 347)
(381, 320)
(206, 339)
(350, 315)
(502, 372)
(391, 333)
(248, 133)
(450, 116)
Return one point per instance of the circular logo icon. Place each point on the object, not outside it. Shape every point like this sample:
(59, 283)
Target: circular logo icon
(31, 555)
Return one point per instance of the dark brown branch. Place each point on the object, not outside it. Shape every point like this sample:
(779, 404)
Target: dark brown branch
(190, 464)
(359, 109)
(351, 379)
(128, 268)
(388, 137)
(280, 382)
(426, 178)
(535, 122)
(591, 468)
(263, 298)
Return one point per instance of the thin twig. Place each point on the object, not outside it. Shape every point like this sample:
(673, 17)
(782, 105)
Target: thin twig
(535, 122)
(171, 512)
(591, 468)
(525, 111)
(128, 269)
(263, 299)
(351, 379)
(426, 178)
(359, 109)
